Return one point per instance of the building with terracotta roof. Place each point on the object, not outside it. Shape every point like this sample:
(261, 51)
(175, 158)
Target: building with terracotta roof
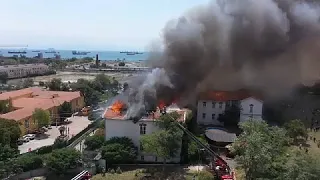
(25, 101)
(213, 104)
(117, 125)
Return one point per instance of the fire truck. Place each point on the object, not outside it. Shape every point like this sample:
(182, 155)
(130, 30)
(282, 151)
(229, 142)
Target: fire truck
(218, 164)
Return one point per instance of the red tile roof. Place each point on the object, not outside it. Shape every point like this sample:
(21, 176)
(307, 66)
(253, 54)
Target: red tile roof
(35, 98)
(228, 95)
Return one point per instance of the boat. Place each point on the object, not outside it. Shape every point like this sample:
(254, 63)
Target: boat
(79, 53)
(131, 53)
(36, 51)
(17, 52)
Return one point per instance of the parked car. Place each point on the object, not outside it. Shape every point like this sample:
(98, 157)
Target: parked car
(20, 141)
(44, 128)
(31, 136)
(25, 138)
(49, 127)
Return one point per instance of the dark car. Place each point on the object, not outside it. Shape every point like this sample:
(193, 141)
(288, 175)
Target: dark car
(20, 142)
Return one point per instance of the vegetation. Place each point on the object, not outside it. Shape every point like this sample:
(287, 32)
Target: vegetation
(64, 110)
(62, 160)
(121, 64)
(119, 150)
(3, 77)
(194, 153)
(5, 106)
(9, 132)
(55, 84)
(27, 83)
(29, 162)
(59, 143)
(94, 142)
(296, 129)
(166, 142)
(41, 117)
(231, 116)
(263, 152)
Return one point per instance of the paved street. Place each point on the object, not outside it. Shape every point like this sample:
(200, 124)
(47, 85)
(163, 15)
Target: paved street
(78, 123)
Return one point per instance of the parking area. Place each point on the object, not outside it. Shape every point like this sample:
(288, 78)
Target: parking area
(78, 123)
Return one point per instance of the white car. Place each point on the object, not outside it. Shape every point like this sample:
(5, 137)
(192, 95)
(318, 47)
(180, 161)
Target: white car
(30, 136)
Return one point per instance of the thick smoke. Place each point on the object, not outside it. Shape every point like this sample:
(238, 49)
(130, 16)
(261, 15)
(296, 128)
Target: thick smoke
(268, 45)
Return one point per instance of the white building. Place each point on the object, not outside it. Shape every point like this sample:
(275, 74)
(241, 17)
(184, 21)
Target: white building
(24, 70)
(213, 104)
(118, 126)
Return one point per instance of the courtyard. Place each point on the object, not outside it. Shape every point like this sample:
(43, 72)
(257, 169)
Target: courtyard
(76, 125)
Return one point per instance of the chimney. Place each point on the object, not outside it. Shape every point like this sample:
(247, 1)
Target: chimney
(97, 60)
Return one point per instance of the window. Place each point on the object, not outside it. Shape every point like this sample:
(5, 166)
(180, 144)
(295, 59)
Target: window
(26, 123)
(213, 116)
(251, 108)
(143, 128)
(204, 104)
(220, 105)
(213, 104)
(142, 158)
(203, 115)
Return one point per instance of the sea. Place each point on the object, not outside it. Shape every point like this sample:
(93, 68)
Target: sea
(67, 54)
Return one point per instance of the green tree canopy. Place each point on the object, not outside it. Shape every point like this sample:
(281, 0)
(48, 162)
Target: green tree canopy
(260, 150)
(65, 110)
(94, 142)
(61, 160)
(166, 142)
(295, 129)
(7, 152)
(5, 106)
(9, 132)
(119, 150)
(41, 117)
(55, 84)
(27, 83)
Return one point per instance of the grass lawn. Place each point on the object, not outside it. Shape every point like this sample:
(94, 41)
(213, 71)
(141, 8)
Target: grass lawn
(313, 149)
(170, 173)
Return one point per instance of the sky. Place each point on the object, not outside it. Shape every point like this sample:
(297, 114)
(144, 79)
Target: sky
(87, 24)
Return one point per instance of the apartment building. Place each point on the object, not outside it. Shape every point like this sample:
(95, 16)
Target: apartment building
(117, 126)
(213, 104)
(25, 101)
(24, 70)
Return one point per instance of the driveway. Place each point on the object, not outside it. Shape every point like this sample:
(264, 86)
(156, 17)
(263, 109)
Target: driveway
(78, 123)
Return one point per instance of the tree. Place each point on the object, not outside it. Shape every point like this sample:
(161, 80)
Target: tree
(3, 77)
(9, 132)
(121, 64)
(295, 129)
(94, 142)
(166, 142)
(59, 143)
(7, 152)
(5, 106)
(65, 110)
(194, 152)
(29, 162)
(104, 80)
(119, 150)
(27, 83)
(260, 150)
(231, 116)
(55, 84)
(61, 160)
(41, 117)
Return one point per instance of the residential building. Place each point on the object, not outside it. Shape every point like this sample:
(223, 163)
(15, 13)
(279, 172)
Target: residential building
(213, 104)
(25, 101)
(24, 70)
(116, 125)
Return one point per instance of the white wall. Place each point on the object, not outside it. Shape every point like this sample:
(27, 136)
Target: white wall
(256, 110)
(121, 128)
(209, 109)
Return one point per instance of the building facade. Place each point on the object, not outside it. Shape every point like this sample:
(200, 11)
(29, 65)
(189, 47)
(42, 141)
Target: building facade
(213, 104)
(24, 70)
(117, 126)
(25, 101)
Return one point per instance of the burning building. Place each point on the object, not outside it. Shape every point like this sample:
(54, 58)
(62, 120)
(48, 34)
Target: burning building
(117, 124)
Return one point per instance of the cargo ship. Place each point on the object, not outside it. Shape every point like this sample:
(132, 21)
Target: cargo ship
(17, 52)
(51, 51)
(79, 53)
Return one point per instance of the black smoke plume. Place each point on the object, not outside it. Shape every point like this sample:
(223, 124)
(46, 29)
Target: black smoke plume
(268, 45)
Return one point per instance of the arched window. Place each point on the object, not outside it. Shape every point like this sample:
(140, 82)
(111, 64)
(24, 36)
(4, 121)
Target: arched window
(251, 108)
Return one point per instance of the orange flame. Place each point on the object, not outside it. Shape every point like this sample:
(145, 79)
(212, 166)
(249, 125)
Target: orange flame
(161, 104)
(118, 107)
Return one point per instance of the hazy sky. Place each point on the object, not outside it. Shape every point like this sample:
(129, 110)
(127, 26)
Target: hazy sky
(87, 24)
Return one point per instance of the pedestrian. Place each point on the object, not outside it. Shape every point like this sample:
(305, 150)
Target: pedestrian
(314, 139)
(306, 150)
(300, 146)
(310, 137)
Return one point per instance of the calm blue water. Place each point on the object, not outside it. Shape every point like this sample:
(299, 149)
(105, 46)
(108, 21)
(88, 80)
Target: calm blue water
(67, 54)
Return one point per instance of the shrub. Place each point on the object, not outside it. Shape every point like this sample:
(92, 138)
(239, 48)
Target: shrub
(94, 142)
(119, 171)
(59, 143)
(29, 162)
(45, 150)
(206, 175)
(112, 171)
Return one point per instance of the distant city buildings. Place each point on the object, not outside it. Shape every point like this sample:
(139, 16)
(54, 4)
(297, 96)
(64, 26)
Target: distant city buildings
(25, 101)
(24, 70)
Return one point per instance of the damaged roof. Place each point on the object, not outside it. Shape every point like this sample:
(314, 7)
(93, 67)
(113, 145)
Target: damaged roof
(223, 96)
